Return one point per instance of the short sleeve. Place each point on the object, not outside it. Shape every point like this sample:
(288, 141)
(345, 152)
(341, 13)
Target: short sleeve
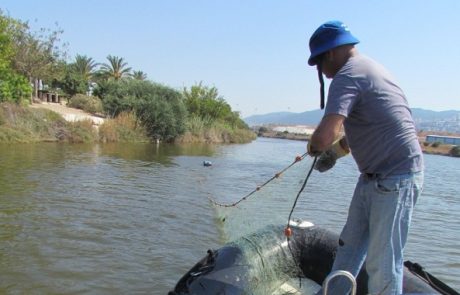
(342, 96)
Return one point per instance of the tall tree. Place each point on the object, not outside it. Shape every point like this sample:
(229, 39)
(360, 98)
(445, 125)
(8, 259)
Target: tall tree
(37, 54)
(116, 69)
(13, 86)
(139, 75)
(205, 101)
(84, 66)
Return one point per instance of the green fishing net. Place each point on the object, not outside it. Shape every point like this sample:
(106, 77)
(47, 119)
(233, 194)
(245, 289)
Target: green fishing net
(255, 223)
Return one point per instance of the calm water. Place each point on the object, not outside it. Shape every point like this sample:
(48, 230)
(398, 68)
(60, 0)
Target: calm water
(132, 218)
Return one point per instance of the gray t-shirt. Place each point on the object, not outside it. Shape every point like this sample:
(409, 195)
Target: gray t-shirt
(378, 123)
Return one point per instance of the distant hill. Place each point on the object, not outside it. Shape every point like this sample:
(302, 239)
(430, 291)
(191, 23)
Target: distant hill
(286, 118)
(314, 117)
(427, 115)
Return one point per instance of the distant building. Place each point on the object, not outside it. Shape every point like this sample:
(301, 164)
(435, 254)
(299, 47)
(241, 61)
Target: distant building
(443, 139)
(298, 129)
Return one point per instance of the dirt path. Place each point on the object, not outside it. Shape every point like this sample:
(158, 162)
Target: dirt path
(69, 114)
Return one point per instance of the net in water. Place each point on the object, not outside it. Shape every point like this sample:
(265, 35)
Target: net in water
(252, 223)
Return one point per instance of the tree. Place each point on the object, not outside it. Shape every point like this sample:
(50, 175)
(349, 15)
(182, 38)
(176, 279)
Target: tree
(160, 109)
(72, 83)
(84, 66)
(36, 55)
(139, 75)
(77, 75)
(116, 69)
(13, 86)
(205, 101)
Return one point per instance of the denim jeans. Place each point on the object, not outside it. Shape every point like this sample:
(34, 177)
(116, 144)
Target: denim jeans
(377, 226)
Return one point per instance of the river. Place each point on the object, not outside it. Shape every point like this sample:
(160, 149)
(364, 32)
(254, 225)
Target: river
(133, 218)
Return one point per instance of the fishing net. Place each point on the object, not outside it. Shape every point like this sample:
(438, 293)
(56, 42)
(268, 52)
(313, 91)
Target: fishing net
(255, 223)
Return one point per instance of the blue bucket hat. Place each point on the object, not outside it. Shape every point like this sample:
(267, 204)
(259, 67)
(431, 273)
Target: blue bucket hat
(328, 36)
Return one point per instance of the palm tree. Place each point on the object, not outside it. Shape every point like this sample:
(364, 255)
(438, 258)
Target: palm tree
(139, 75)
(117, 68)
(84, 66)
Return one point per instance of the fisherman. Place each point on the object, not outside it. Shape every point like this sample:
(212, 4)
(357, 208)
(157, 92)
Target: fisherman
(380, 134)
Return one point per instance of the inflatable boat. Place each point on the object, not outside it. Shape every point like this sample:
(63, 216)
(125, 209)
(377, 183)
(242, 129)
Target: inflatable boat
(266, 262)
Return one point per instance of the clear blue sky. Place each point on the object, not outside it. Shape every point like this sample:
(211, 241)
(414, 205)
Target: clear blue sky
(255, 51)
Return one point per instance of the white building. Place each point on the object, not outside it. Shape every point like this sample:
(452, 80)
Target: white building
(298, 129)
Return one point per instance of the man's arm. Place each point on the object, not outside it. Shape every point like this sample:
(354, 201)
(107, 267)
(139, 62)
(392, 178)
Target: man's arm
(327, 132)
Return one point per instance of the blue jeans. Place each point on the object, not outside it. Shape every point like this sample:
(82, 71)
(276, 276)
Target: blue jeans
(377, 226)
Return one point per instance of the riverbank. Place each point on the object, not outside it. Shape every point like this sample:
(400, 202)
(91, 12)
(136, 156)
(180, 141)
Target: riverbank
(49, 122)
(427, 148)
(54, 122)
(68, 113)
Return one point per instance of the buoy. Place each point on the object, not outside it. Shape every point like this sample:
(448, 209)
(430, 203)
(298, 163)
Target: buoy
(207, 163)
(288, 232)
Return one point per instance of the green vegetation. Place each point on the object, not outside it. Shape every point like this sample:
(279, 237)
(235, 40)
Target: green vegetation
(206, 103)
(123, 128)
(202, 130)
(13, 86)
(77, 76)
(110, 88)
(116, 69)
(211, 118)
(139, 75)
(24, 124)
(435, 144)
(160, 109)
(89, 104)
(455, 151)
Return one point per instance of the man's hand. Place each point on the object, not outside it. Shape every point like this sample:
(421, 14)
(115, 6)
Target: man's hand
(311, 150)
(328, 159)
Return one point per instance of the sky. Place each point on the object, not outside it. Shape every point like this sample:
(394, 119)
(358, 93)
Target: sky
(255, 51)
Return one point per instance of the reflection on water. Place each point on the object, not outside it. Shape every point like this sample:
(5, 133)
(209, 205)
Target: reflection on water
(132, 218)
(97, 219)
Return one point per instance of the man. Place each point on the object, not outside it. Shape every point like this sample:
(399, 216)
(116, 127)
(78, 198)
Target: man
(380, 133)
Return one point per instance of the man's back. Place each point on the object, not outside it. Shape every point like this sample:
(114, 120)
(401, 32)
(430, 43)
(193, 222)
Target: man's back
(379, 127)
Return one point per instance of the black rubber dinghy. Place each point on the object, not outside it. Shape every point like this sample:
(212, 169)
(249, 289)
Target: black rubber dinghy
(255, 263)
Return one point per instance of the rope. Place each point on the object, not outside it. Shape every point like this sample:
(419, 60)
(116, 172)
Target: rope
(321, 83)
(277, 175)
(302, 188)
(288, 231)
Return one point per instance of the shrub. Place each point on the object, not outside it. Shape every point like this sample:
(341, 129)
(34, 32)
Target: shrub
(124, 128)
(22, 124)
(197, 125)
(435, 144)
(89, 104)
(161, 109)
(82, 132)
(263, 129)
(163, 119)
(426, 143)
(204, 101)
(455, 151)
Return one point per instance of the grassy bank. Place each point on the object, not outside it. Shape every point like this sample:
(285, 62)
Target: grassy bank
(213, 131)
(19, 124)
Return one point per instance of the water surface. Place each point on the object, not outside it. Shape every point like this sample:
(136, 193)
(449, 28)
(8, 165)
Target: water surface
(132, 218)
